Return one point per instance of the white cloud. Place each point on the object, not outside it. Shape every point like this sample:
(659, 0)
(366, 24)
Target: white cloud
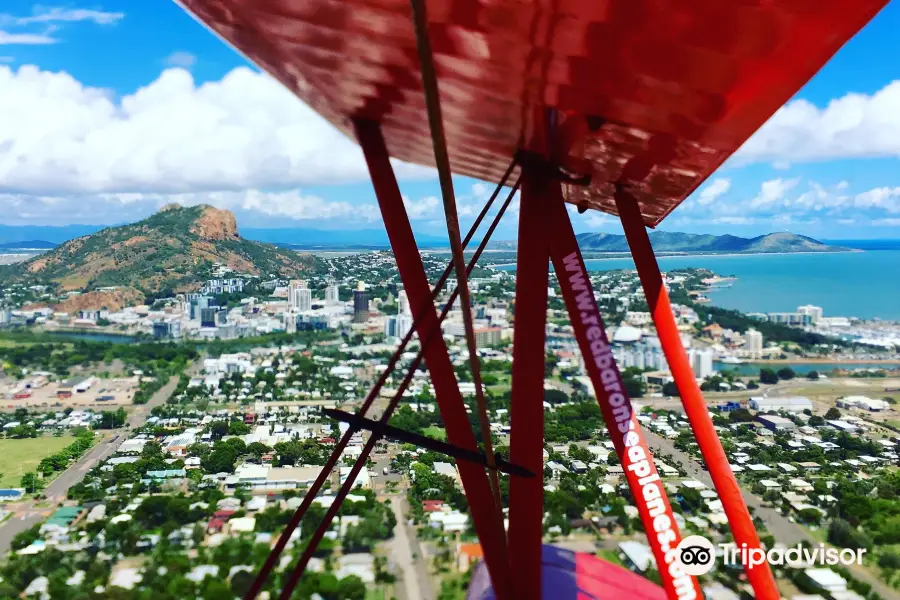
(25, 39)
(714, 190)
(887, 199)
(891, 222)
(595, 219)
(853, 126)
(734, 220)
(773, 191)
(422, 208)
(245, 131)
(181, 59)
(64, 15)
(256, 207)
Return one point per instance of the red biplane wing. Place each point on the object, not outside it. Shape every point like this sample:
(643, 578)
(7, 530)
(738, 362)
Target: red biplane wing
(679, 85)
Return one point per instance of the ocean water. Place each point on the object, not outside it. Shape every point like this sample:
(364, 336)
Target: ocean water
(845, 284)
(801, 368)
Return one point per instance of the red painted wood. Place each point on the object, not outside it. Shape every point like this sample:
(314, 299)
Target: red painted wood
(707, 73)
(446, 389)
(726, 484)
(624, 430)
(526, 411)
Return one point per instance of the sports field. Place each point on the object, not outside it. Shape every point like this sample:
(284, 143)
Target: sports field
(18, 457)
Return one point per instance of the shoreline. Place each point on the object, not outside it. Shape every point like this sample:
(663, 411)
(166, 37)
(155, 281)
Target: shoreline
(825, 361)
(626, 255)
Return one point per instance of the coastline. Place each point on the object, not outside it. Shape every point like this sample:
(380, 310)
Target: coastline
(825, 361)
(695, 255)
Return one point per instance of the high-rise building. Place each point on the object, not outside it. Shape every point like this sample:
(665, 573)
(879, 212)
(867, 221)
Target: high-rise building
(332, 295)
(299, 296)
(404, 324)
(290, 322)
(815, 312)
(702, 362)
(403, 303)
(360, 304)
(208, 317)
(754, 343)
(397, 326)
(197, 304)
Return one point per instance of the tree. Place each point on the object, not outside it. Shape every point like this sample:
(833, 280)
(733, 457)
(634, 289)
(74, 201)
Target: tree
(218, 429)
(786, 373)
(220, 460)
(889, 560)
(810, 515)
(27, 537)
(555, 396)
(832, 414)
(241, 582)
(112, 420)
(816, 421)
(740, 415)
(634, 383)
(31, 482)
(670, 389)
(841, 533)
(258, 449)
(812, 375)
(768, 376)
(238, 428)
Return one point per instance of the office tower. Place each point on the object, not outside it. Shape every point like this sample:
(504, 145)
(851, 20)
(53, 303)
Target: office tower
(754, 343)
(299, 296)
(403, 303)
(332, 295)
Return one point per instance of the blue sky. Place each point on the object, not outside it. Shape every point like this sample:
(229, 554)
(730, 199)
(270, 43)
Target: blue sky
(110, 110)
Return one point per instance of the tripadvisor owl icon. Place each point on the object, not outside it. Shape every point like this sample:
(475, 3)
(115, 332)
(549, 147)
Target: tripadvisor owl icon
(696, 555)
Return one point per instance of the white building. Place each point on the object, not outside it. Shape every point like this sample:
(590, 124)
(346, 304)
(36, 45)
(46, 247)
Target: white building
(403, 303)
(814, 312)
(299, 296)
(702, 362)
(753, 342)
(332, 295)
(863, 402)
(796, 404)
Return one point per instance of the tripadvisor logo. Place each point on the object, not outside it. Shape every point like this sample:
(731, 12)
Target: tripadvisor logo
(697, 555)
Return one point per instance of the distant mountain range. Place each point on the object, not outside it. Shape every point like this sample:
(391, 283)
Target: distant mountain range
(45, 237)
(28, 245)
(668, 241)
(169, 251)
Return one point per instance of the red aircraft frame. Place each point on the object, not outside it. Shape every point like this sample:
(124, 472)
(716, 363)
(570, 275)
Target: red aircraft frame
(599, 111)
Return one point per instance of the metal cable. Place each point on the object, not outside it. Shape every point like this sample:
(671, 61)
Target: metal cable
(313, 490)
(295, 575)
(442, 161)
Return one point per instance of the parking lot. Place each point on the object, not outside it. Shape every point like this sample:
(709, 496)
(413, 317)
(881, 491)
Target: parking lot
(114, 392)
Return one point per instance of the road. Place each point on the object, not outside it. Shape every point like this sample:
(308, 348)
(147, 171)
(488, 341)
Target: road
(26, 514)
(416, 582)
(784, 530)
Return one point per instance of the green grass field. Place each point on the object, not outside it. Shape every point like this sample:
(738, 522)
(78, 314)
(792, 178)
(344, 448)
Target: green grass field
(435, 432)
(18, 457)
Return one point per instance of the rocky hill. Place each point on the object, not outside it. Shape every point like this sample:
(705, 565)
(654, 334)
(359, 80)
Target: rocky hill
(172, 250)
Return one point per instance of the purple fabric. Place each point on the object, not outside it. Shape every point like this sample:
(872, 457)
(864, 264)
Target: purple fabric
(576, 576)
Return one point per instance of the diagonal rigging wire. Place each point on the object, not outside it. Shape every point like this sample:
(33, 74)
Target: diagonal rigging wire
(442, 161)
(350, 481)
(313, 490)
